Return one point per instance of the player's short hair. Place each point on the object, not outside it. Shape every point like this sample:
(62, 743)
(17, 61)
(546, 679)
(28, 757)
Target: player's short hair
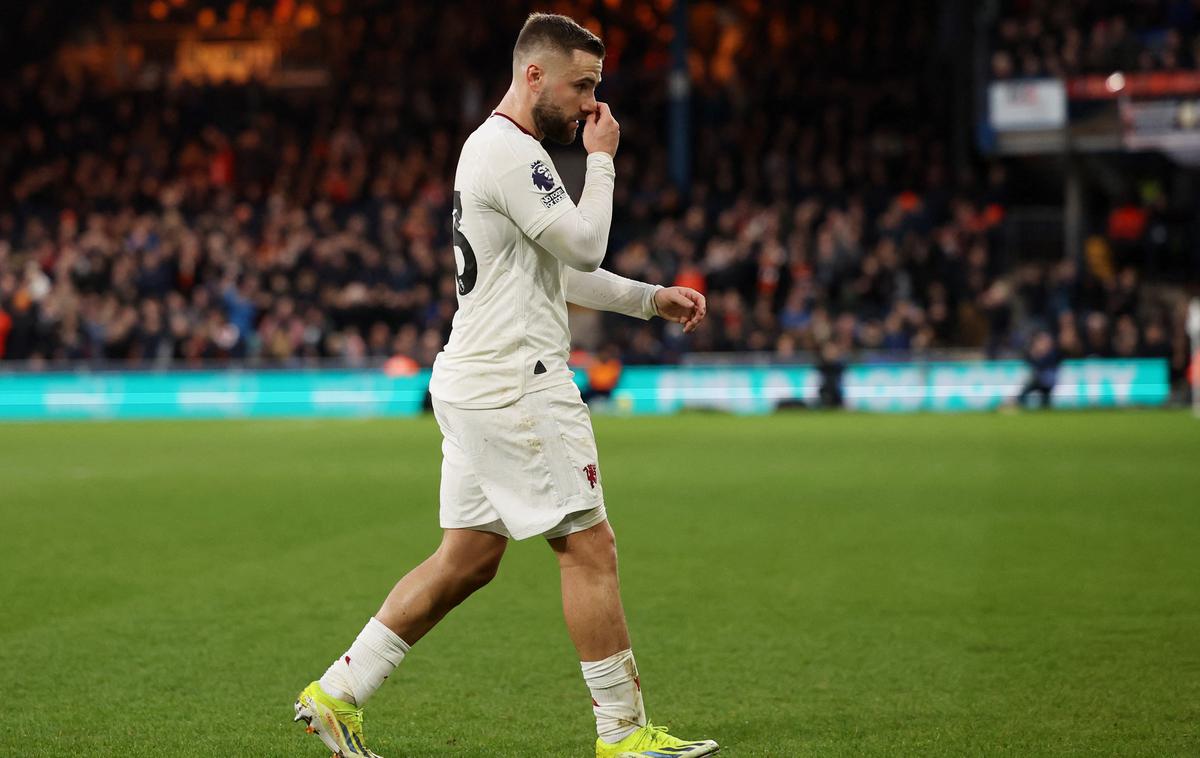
(555, 32)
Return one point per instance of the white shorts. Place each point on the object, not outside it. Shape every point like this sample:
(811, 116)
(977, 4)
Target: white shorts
(525, 469)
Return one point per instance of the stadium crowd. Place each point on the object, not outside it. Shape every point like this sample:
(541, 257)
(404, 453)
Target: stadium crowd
(1036, 38)
(229, 223)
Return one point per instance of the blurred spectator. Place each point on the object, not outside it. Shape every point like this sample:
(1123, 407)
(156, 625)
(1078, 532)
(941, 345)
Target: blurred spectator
(1043, 360)
(831, 368)
(603, 374)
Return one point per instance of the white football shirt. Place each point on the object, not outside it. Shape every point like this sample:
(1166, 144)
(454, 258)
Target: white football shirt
(510, 333)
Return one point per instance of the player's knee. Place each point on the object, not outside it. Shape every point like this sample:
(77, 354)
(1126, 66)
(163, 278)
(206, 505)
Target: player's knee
(470, 572)
(606, 543)
(484, 571)
(596, 548)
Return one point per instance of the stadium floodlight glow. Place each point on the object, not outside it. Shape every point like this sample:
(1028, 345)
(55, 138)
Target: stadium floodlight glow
(1115, 82)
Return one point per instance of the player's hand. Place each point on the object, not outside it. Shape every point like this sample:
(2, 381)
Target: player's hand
(682, 305)
(601, 132)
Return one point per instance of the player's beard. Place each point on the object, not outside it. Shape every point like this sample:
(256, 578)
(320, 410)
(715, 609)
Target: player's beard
(552, 121)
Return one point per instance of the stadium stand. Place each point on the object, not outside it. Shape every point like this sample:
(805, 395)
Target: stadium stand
(1036, 38)
(147, 219)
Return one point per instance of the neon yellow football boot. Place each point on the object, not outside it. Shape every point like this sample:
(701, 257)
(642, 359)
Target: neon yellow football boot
(336, 722)
(654, 742)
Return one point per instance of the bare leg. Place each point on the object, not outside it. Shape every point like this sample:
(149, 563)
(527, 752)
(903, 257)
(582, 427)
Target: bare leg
(464, 562)
(591, 592)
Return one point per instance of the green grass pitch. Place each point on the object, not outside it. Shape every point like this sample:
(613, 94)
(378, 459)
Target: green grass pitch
(797, 585)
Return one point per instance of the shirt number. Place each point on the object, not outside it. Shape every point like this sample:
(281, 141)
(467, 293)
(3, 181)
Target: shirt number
(464, 256)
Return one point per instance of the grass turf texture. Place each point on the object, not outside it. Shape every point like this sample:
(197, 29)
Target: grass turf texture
(802, 584)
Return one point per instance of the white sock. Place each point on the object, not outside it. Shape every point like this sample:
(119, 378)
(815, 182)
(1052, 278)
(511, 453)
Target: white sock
(374, 655)
(616, 696)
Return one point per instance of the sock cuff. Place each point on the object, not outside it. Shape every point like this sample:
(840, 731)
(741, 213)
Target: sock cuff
(610, 672)
(384, 641)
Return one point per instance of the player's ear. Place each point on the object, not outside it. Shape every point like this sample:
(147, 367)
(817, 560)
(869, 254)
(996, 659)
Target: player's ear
(534, 77)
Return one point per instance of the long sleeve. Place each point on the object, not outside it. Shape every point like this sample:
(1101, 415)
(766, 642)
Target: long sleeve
(606, 291)
(579, 237)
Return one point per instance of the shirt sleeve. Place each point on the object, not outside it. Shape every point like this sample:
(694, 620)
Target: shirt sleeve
(606, 291)
(530, 192)
(580, 237)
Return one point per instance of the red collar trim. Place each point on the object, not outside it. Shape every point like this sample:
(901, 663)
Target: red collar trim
(510, 118)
